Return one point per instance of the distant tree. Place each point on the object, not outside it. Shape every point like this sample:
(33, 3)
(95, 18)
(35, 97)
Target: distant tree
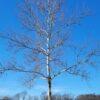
(31, 97)
(16, 97)
(44, 96)
(43, 49)
(6, 98)
(66, 97)
(36, 98)
(88, 97)
(57, 97)
(23, 96)
(61, 97)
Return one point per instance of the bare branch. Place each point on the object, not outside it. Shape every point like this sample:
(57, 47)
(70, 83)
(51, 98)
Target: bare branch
(12, 66)
(24, 44)
(74, 69)
(19, 69)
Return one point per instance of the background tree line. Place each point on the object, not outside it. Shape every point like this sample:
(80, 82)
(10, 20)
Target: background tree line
(43, 96)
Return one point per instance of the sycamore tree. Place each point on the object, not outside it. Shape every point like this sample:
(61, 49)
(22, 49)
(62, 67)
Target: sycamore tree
(44, 48)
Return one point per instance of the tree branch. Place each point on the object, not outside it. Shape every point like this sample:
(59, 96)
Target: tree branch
(17, 69)
(23, 45)
(74, 68)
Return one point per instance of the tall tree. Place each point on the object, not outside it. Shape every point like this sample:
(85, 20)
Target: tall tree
(49, 36)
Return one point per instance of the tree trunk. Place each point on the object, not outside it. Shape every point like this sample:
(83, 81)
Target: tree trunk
(49, 89)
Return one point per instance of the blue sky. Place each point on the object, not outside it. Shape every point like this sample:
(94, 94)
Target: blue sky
(11, 83)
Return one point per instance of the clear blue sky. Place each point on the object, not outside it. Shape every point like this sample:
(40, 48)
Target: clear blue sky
(9, 84)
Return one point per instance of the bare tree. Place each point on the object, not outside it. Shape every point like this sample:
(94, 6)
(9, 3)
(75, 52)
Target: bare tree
(51, 29)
